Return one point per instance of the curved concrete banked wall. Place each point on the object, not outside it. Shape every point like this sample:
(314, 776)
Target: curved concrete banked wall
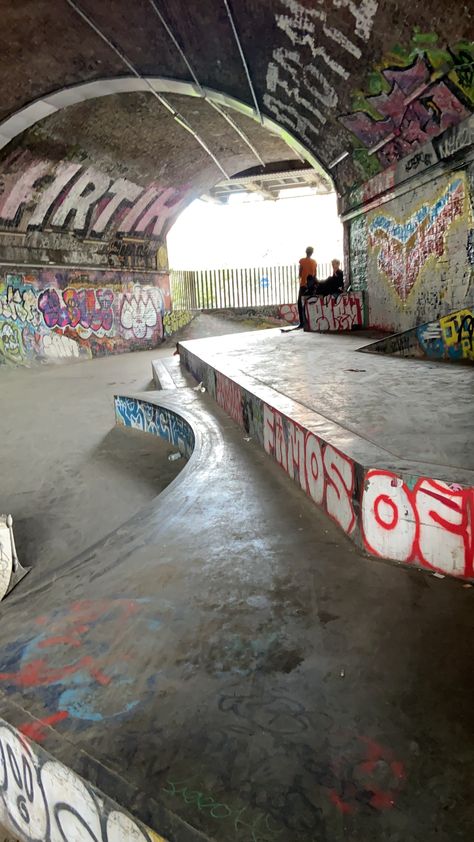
(158, 420)
(43, 797)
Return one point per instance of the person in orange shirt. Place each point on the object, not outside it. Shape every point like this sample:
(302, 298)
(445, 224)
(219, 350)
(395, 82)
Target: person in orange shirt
(308, 268)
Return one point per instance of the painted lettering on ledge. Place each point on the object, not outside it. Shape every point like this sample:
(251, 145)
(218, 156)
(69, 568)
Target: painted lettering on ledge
(413, 95)
(58, 315)
(39, 194)
(306, 70)
(396, 521)
(405, 245)
(405, 523)
(329, 313)
(43, 800)
(229, 397)
(324, 473)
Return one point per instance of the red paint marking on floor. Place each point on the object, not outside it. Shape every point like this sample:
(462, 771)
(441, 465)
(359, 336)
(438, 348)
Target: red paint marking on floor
(382, 800)
(398, 769)
(37, 673)
(61, 640)
(100, 677)
(339, 803)
(36, 730)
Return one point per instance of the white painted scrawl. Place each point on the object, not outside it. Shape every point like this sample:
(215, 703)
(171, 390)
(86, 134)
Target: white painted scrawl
(11, 571)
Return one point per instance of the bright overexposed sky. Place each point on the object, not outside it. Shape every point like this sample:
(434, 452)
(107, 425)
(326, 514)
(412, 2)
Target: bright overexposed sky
(255, 233)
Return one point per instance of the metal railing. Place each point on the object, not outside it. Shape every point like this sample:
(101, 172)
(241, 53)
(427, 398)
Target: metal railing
(217, 289)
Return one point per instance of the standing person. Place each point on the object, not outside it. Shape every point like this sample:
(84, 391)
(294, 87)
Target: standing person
(308, 268)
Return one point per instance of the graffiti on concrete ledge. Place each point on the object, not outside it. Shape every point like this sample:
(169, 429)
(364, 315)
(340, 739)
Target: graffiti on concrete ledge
(288, 313)
(42, 800)
(344, 312)
(406, 523)
(413, 95)
(414, 519)
(156, 420)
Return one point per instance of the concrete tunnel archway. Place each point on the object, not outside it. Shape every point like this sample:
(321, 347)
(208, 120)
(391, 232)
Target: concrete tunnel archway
(384, 102)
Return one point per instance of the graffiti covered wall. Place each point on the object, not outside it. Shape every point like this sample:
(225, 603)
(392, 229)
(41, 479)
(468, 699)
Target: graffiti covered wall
(448, 338)
(50, 315)
(415, 265)
(82, 215)
(417, 91)
(44, 800)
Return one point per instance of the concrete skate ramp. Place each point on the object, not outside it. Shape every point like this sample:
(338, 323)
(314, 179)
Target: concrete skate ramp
(448, 338)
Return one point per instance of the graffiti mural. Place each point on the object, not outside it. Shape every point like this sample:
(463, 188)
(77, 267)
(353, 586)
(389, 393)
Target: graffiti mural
(405, 246)
(404, 523)
(329, 313)
(176, 320)
(39, 193)
(156, 420)
(46, 315)
(457, 332)
(414, 95)
(42, 800)
(301, 76)
(449, 338)
(229, 397)
(288, 313)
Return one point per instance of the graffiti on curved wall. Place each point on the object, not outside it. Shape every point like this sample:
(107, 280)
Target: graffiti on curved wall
(413, 95)
(157, 420)
(63, 196)
(47, 315)
(43, 800)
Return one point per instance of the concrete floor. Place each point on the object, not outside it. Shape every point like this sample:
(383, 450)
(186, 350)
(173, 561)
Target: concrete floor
(62, 453)
(410, 409)
(255, 677)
